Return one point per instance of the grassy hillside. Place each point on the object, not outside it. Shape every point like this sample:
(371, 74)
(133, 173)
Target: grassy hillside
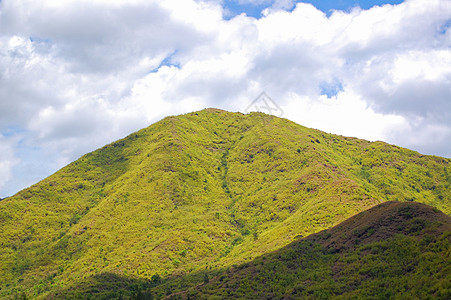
(394, 250)
(205, 190)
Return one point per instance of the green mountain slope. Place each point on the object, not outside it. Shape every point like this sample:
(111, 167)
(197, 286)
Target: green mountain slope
(208, 189)
(394, 250)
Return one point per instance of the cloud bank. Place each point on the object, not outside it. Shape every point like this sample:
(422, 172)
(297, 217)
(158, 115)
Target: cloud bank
(75, 75)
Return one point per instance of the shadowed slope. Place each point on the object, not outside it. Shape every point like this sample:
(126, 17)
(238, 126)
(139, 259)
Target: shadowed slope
(384, 221)
(395, 249)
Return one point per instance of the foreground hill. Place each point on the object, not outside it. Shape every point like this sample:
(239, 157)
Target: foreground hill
(395, 249)
(205, 190)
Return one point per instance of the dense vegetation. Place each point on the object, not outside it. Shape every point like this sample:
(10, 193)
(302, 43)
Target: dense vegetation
(194, 193)
(395, 250)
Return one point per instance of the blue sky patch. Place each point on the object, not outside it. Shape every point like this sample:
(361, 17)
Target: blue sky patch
(12, 130)
(167, 61)
(35, 39)
(444, 27)
(234, 7)
(346, 5)
(331, 89)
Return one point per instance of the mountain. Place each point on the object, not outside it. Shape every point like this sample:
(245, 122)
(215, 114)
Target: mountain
(203, 191)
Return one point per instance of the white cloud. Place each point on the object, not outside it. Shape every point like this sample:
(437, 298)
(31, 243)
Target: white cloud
(417, 65)
(7, 161)
(78, 74)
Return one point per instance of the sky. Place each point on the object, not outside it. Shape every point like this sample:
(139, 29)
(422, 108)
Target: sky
(76, 74)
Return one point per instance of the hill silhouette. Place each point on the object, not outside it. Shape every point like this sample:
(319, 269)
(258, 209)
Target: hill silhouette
(202, 191)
